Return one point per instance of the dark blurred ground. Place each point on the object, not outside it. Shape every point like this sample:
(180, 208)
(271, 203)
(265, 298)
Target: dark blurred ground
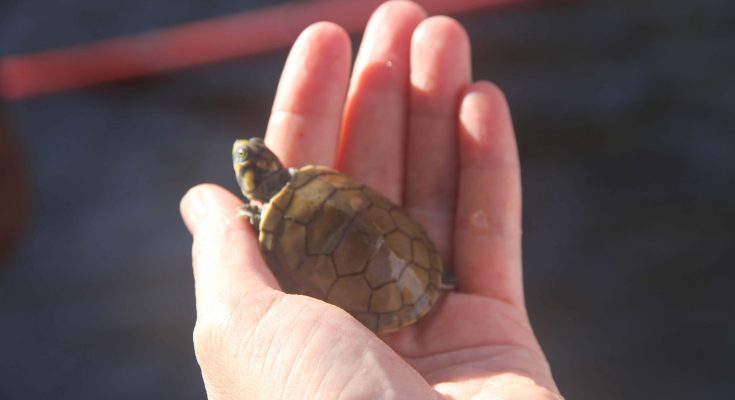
(624, 114)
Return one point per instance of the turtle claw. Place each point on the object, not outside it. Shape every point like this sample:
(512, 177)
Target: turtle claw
(252, 212)
(449, 281)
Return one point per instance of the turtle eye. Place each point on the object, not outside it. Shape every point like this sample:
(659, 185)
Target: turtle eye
(241, 154)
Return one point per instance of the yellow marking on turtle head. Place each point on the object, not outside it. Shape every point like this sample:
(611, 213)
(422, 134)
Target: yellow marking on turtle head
(253, 163)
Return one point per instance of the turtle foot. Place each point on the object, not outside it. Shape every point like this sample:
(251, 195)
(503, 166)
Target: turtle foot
(251, 212)
(449, 282)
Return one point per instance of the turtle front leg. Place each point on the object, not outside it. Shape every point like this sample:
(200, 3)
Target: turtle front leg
(252, 212)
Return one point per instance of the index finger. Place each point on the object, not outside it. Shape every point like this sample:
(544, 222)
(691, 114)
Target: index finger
(306, 116)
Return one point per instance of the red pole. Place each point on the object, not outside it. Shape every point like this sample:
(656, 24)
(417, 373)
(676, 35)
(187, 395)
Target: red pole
(190, 44)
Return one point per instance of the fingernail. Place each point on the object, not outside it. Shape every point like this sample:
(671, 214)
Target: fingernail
(468, 114)
(194, 207)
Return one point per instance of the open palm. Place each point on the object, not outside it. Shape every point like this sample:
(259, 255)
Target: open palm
(411, 124)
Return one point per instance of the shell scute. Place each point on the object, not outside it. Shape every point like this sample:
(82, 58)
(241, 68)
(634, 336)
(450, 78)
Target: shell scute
(390, 321)
(266, 240)
(370, 320)
(380, 219)
(378, 200)
(353, 254)
(305, 175)
(387, 298)
(413, 282)
(269, 224)
(281, 202)
(352, 293)
(408, 314)
(327, 230)
(292, 237)
(405, 224)
(340, 181)
(348, 201)
(377, 272)
(309, 200)
(420, 254)
(317, 275)
(400, 244)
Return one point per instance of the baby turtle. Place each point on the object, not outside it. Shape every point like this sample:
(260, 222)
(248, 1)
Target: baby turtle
(328, 236)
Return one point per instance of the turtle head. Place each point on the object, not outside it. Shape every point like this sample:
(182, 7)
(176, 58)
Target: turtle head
(259, 172)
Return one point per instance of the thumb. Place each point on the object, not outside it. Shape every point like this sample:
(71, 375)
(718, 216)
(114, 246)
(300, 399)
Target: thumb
(225, 255)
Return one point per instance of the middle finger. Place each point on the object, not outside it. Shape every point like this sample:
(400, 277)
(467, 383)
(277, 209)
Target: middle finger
(374, 124)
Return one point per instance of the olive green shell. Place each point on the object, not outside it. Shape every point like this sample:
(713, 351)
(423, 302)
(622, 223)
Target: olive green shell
(327, 236)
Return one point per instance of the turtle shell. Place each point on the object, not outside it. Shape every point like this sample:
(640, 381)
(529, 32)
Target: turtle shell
(327, 236)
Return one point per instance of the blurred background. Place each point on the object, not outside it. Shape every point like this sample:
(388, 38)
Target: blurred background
(625, 116)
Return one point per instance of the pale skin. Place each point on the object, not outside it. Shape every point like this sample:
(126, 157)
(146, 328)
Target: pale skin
(410, 122)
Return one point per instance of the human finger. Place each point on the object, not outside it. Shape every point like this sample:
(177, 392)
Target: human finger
(487, 233)
(374, 121)
(440, 70)
(225, 255)
(305, 120)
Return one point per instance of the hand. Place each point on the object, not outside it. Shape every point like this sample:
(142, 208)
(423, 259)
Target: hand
(413, 126)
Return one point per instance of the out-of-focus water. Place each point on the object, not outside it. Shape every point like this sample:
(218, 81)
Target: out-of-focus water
(624, 115)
